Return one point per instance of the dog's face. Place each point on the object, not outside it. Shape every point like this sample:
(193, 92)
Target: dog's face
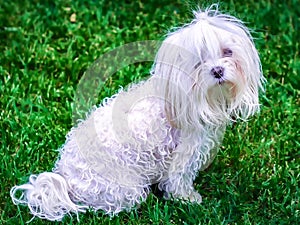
(214, 65)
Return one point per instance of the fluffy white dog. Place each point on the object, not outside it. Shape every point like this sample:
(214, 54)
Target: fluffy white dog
(161, 131)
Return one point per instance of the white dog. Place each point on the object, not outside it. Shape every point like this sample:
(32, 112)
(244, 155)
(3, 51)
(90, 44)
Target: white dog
(161, 131)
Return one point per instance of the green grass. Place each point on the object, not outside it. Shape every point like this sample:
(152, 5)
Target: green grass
(255, 177)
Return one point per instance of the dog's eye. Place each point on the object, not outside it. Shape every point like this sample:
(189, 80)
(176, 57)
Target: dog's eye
(227, 52)
(197, 65)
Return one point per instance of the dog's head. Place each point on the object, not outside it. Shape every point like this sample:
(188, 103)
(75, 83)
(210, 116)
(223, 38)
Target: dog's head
(209, 71)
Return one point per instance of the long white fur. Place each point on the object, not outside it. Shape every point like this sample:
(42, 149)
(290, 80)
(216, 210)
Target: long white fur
(163, 130)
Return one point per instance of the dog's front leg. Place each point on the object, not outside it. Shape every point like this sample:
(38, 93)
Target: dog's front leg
(181, 173)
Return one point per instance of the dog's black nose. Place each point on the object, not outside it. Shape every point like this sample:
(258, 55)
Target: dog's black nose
(217, 72)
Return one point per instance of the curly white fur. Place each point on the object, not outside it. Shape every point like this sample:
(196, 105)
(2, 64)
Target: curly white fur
(163, 130)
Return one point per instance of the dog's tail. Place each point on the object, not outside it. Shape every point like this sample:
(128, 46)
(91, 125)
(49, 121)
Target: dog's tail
(47, 196)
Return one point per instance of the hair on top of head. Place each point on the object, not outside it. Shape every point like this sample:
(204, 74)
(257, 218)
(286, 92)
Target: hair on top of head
(214, 16)
(210, 11)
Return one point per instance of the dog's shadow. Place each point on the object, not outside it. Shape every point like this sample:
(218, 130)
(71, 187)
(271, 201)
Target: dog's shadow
(156, 192)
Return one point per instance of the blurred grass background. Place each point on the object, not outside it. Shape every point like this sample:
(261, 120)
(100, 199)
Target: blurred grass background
(46, 46)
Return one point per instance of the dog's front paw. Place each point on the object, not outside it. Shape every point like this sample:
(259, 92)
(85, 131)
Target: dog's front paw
(194, 197)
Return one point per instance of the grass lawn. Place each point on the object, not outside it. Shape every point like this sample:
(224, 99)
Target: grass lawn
(46, 46)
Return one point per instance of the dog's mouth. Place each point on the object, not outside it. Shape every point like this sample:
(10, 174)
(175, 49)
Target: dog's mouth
(223, 88)
(221, 81)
